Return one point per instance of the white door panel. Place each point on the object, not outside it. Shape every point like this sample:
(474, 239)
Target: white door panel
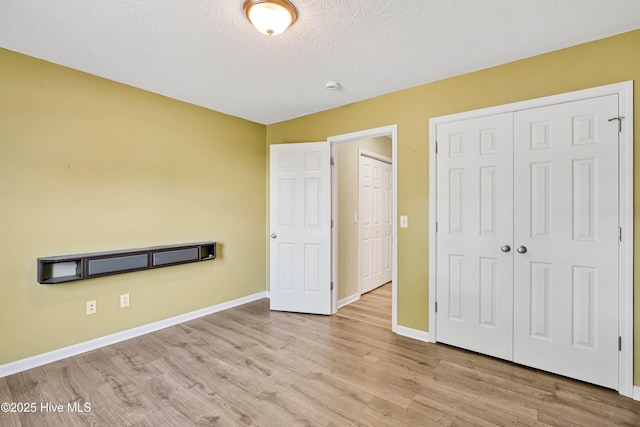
(300, 215)
(475, 219)
(375, 222)
(566, 210)
(366, 225)
(386, 209)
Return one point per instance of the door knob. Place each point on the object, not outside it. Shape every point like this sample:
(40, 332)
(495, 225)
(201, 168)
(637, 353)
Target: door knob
(522, 249)
(274, 235)
(505, 248)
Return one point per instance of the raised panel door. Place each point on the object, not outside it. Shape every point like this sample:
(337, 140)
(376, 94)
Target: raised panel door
(475, 220)
(300, 228)
(566, 216)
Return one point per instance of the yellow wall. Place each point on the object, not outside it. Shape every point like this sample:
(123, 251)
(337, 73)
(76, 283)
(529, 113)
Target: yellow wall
(597, 63)
(86, 165)
(347, 166)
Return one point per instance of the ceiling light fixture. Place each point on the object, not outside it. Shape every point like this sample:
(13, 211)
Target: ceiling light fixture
(270, 17)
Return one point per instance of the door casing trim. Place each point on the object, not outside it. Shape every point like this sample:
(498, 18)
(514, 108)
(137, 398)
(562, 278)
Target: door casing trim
(624, 90)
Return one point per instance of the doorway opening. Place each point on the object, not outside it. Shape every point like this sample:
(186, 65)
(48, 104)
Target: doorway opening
(351, 258)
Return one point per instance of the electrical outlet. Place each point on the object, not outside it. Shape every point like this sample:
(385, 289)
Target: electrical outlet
(91, 307)
(124, 300)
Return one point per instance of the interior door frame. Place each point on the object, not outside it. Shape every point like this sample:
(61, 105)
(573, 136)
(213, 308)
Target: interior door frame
(624, 90)
(389, 131)
(375, 156)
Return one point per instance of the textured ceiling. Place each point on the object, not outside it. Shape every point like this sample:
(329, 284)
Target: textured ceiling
(205, 52)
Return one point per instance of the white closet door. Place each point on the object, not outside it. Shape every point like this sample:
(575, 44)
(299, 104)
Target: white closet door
(475, 220)
(375, 223)
(366, 190)
(386, 208)
(566, 216)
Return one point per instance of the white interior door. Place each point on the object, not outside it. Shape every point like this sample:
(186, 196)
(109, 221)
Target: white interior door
(374, 222)
(566, 210)
(300, 227)
(474, 237)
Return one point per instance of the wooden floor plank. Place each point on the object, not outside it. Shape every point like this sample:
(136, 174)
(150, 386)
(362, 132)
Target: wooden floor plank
(251, 366)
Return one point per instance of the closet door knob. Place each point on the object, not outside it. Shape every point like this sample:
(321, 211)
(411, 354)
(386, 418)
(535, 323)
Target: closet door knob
(522, 249)
(505, 248)
(274, 235)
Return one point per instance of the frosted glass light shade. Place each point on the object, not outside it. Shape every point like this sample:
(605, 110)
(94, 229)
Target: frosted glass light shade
(270, 17)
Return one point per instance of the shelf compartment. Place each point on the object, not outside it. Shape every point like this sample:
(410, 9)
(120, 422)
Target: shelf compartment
(177, 256)
(207, 251)
(117, 264)
(51, 272)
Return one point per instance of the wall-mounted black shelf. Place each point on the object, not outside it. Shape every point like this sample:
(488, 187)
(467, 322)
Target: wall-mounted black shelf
(69, 268)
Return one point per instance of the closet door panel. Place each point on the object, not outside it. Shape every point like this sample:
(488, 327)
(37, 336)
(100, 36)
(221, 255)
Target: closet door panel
(566, 216)
(475, 220)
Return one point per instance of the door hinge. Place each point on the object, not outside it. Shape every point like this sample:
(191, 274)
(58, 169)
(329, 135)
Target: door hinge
(620, 234)
(436, 226)
(331, 285)
(436, 306)
(332, 162)
(332, 223)
(619, 343)
(436, 147)
(619, 119)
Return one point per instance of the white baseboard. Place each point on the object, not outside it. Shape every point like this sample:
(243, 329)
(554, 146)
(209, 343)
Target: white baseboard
(412, 333)
(636, 393)
(62, 353)
(348, 300)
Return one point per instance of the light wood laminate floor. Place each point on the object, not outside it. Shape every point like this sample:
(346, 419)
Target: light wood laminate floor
(373, 308)
(251, 366)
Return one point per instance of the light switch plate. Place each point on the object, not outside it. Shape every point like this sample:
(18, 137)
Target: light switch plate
(404, 221)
